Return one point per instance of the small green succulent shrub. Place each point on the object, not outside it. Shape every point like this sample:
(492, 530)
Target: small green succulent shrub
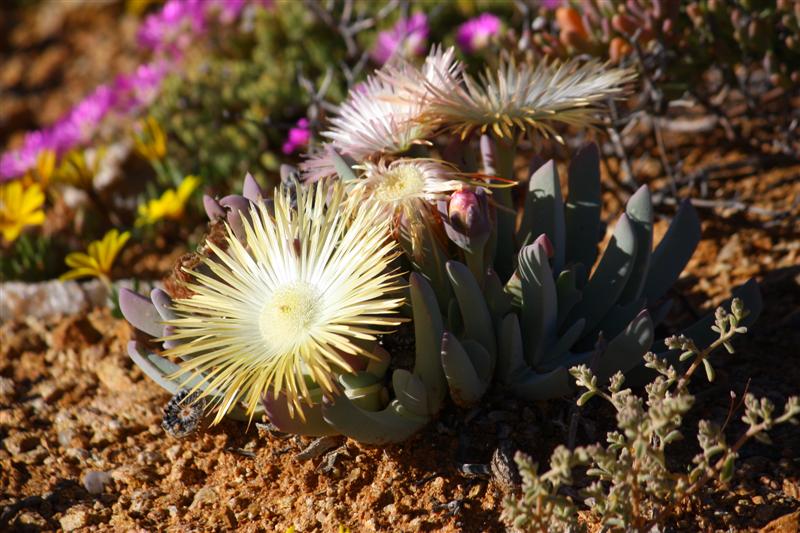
(634, 488)
(409, 212)
(738, 59)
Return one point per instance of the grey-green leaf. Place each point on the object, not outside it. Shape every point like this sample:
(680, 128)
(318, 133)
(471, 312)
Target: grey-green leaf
(582, 212)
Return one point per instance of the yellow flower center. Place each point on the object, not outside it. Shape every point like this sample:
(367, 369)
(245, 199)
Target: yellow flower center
(400, 183)
(289, 316)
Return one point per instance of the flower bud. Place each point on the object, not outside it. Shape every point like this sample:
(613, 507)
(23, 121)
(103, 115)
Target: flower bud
(468, 218)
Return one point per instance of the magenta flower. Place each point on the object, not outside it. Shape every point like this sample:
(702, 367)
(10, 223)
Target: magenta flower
(298, 137)
(173, 28)
(170, 31)
(409, 37)
(475, 34)
(15, 163)
(138, 89)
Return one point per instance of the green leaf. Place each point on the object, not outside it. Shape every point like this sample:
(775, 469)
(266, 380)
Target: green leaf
(582, 211)
(543, 212)
(672, 253)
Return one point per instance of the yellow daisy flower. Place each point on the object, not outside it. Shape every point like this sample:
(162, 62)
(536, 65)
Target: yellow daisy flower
(98, 260)
(20, 206)
(171, 205)
(150, 141)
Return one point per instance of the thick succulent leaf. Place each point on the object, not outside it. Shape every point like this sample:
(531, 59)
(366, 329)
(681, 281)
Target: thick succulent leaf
(624, 353)
(392, 424)
(238, 210)
(544, 212)
(163, 303)
(659, 312)
(364, 389)
(618, 319)
(554, 354)
(672, 253)
(519, 378)
(582, 212)
(532, 386)
(343, 166)
(497, 299)
(539, 301)
(474, 311)
(510, 355)
(155, 367)
(609, 278)
(567, 294)
(482, 361)
(626, 350)
(466, 388)
(214, 211)
(428, 330)
(140, 312)
(314, 425)
(252, 190)
(454, 320)
(410, 392)
(640, 214)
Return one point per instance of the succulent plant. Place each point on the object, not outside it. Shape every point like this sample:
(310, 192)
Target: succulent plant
(520, 335)
(498, 298)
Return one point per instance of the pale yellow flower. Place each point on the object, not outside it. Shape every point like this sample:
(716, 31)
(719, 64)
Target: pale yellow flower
(99, 259)
(525, 98)
(171, 205)
(288, 307)
(20, 206)
(404, 186)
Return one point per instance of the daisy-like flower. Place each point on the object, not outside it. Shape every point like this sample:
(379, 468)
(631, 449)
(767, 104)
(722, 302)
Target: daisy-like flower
(383, 116)
(526, 98)
(405, 185)
(292, 304)
(98, 259)
(170, 205)
(19, 207)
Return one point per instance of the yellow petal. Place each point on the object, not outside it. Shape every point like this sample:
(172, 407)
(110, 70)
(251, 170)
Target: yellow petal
(80, 260)
(78, 273)
(10, 231)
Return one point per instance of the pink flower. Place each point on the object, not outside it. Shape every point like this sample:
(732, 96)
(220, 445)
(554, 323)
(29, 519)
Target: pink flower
(139, 89)
(475, 34)
(16, 163)
(409, 37)
(298, 137)
(173, 28)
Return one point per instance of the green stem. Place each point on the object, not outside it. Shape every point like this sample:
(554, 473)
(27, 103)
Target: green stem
(506, 215)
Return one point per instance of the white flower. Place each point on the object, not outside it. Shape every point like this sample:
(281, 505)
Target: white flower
(290, 305)
(525, 98)
(382, 115)
(405, 185)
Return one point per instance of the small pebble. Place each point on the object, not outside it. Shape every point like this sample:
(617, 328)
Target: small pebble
(94, 481)
(75, 518)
